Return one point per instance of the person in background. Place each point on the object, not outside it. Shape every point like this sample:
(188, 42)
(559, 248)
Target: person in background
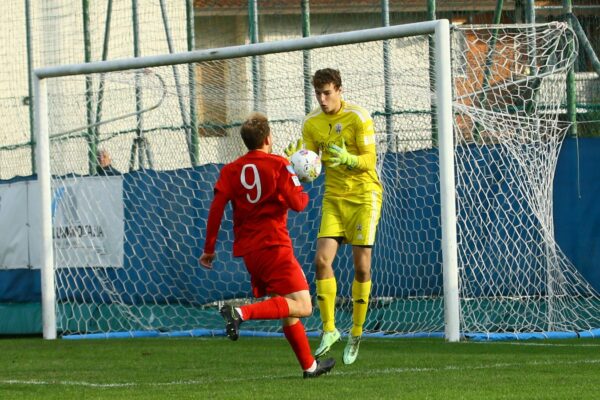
(104, 166)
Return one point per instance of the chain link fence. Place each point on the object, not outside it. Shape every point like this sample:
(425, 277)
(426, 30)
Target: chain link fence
(39, 33)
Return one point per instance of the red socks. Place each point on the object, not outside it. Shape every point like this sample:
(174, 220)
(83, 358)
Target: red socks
(296, 336)
(274, 308)
(277, 308)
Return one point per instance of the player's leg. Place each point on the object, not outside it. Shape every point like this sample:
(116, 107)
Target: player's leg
(331, 232)
(361, 289)
(293, 329)
(326, 292)
(272, 270)
(294, 332)
(300, 305)
(363, 224)
(326, 283)
(273, 308)
(275, 270)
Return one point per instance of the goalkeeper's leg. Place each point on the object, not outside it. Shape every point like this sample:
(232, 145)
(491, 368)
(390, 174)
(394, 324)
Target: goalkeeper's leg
(360, 305)
(361, 289)
(326, 293)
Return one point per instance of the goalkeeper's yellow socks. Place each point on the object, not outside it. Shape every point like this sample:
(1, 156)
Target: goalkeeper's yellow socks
(274, 308)
(360, 300)
(326, 292)
(296, 336)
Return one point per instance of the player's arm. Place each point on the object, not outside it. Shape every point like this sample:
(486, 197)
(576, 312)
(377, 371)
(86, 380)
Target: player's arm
(215, 215)
(291, 189)
(365, 144)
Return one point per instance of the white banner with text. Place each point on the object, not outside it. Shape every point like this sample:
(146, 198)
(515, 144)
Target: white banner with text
(87, 223)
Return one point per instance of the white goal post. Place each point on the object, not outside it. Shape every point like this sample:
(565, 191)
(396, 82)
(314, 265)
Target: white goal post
(468, 132)
(443, 99)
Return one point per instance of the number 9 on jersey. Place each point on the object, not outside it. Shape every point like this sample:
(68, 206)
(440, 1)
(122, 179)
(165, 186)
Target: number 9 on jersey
(307, 165)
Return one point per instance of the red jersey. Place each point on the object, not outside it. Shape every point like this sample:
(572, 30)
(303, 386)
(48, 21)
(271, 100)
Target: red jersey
(261, 187)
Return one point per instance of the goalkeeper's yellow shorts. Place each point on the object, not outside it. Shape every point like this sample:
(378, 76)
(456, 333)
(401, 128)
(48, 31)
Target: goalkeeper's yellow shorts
(353, 218)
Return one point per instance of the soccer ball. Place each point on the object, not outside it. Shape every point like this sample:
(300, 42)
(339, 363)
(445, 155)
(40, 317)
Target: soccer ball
(307, 165)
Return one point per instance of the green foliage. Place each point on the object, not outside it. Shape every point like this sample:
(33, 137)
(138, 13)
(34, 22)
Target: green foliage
(259, 368)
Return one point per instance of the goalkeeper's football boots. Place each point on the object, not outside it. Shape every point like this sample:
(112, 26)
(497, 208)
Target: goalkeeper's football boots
(233, 320)
(323, 367)
(328, 339)
(351, 349)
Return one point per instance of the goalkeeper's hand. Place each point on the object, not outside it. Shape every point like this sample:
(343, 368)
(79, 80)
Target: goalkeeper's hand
(291, 149)
(340, 156)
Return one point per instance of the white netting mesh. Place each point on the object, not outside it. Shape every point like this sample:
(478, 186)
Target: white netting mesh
(512, 275)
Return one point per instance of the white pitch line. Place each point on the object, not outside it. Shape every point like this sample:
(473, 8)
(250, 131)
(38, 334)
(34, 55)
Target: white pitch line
(337, 372)
(541, 344)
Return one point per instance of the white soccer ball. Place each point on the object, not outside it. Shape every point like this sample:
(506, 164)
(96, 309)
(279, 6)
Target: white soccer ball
(307, 165)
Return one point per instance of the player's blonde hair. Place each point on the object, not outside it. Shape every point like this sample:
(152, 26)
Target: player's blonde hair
(254, 130)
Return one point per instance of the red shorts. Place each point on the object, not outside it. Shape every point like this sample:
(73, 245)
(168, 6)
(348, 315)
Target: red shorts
(275, 270)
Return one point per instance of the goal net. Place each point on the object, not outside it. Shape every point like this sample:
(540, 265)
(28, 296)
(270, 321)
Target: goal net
(126, 243)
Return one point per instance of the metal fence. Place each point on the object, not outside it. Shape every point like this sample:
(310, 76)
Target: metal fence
(38, 33)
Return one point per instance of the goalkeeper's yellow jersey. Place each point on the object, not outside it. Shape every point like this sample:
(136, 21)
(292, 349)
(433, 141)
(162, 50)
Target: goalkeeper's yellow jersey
(354, 124)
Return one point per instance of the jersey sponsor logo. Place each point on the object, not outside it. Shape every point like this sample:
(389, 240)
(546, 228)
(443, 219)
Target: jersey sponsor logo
(296, 180)
(290, 169)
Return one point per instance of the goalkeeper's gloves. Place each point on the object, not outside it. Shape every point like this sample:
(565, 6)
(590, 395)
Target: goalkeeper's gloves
(291, 149)
(340, 156)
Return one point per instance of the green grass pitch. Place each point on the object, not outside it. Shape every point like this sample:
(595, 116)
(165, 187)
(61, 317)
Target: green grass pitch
(265, 368)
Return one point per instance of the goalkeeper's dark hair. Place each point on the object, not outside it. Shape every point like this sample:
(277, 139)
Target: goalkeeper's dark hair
(327, 75)
(254, 130)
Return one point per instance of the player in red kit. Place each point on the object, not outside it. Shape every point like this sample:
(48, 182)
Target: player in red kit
(262, 187)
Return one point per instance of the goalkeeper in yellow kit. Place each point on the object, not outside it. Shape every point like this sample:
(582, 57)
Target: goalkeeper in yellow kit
(343, 134)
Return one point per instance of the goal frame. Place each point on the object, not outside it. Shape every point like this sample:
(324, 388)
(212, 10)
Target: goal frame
(440, 29)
